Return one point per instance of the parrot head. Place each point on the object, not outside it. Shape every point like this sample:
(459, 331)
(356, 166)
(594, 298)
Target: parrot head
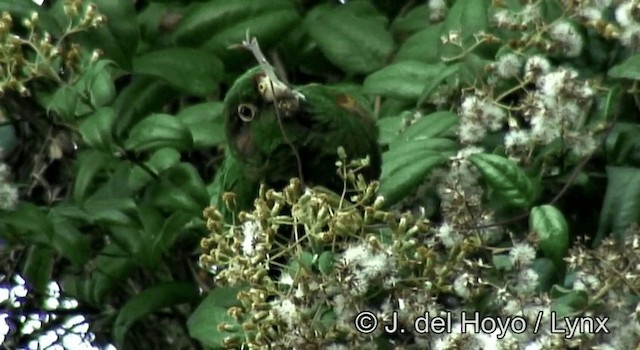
(252, 107)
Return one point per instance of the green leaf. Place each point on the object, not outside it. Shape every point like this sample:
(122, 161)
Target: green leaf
(552, 231)
(629, 69)
(407, 164)
(112, 266)
(467, 18)
(438, 124)
(161, 160)
(118, 39)
(422, 46)
(109, 211)
(157, 131)
(192, 70)
(65, 102)
(30, 220)
(180, 188)
(203, 322)
(354, 42)
(101, 88)
(89, 163)
(412, 21)
(152, 299)
(404, 80)
(547, 273)
(448, 73)
(96, 129)
(218, 24)
(506, 178)
(568, 301)
(622, 145)
(206, 123)
(142, 96)
(38, 267)
(68, 240)
(621, 206)
(170, 230)
(325, 262)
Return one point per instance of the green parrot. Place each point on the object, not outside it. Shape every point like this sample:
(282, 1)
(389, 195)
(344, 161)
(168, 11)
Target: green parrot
(275, 132)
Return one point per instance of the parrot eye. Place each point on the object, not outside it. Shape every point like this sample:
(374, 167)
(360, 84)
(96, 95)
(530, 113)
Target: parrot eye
(262, 87)
(246, 112)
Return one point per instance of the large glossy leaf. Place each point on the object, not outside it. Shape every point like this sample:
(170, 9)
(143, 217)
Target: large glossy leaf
(150, 300)
(158, 131)
(161, 160)
(552, 231)
(404, 79)
(142, 96)
(438, 124)
(422, 46)
(111, 267)
(621, 206)
(206, 123)
(192, 70)
(407, 164)
(219, 24)
(180, 188)
(96, 129)
(412, 21)
(351, 41)
(89, 164)
(67, 240)
(506, 178)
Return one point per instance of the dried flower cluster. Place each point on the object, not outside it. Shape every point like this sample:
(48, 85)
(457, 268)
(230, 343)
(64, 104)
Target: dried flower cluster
(311, 261)
(36, 53)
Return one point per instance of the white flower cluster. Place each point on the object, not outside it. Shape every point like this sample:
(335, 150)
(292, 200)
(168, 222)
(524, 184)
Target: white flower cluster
(557, 109)
(628, 18)
(8, 191)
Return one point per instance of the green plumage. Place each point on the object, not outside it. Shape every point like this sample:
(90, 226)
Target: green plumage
(314, 119)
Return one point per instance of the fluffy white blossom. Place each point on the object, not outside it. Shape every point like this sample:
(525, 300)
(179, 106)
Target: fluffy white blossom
(566, 35)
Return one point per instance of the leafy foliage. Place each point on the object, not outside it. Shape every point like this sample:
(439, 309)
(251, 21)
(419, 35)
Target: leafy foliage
(509, 175)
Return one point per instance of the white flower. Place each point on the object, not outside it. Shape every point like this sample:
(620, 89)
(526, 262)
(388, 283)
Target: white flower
(583, 145)
(461, 285)
(509, 65)
(286, 310)
(437, 9)
(355, 254)
(527, 281)
(568, 37)
(448, 236)
(250, 230)
(286, 279)
(530, 13)
(522, 254)
(624, 13)
(8, 196)
(515, 138)
(536, 66)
